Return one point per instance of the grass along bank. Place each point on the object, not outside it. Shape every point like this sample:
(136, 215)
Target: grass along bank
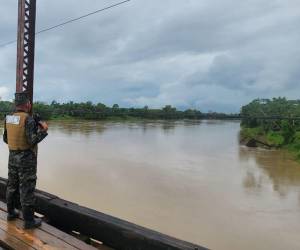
(271, 139)
(273, 124)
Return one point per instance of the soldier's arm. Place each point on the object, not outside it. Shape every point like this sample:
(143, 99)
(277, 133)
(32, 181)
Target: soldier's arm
(34, 136)
(5, 133)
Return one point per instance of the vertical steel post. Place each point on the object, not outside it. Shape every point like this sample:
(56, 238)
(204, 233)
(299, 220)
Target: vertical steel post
(26, 45)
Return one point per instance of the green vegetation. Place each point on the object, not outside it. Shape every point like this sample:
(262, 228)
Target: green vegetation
(273, 122)
(99, 111)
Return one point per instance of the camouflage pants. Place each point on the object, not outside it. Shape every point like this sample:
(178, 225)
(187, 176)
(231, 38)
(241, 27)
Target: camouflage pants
(22, 167)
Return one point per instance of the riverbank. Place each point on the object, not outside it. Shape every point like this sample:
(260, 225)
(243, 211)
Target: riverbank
(258, 137)
(99, 111)
(133, 119)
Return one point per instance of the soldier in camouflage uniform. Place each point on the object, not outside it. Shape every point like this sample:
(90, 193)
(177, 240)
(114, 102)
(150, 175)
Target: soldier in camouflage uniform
(22, 134)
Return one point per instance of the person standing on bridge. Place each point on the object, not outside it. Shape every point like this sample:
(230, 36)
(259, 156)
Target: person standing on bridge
(22, 133)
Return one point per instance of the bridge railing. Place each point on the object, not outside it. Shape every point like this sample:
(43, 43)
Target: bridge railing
(113, 232)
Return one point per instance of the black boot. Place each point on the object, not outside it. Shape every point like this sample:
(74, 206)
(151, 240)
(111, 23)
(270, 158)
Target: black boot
(12, 214)
(35, 223)
(29, 221)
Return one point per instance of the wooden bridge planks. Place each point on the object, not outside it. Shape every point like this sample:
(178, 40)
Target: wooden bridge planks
(12, 236)
(78, 244)
(8, 241)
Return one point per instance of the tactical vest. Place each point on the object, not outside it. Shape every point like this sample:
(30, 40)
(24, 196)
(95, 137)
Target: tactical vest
(16, 136)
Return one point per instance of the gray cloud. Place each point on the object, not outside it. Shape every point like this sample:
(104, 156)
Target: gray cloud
(211, 55)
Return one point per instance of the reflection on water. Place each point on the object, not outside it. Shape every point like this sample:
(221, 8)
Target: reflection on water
(84, 128)
(277, 165)
(189, 179)
(91, 127)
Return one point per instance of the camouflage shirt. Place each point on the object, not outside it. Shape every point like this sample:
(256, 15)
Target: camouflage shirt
(33, 134)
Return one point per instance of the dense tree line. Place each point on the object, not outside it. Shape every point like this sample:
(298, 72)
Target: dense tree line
(269, 112)
(99, 111)
(274, 121)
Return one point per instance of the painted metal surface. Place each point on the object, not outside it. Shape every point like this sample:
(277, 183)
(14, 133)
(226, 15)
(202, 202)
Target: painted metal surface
(26, 46)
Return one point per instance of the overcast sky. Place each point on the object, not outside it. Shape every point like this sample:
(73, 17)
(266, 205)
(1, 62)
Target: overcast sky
(205, 54)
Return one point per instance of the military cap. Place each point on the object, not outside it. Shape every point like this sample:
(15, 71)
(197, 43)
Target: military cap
(21, 98)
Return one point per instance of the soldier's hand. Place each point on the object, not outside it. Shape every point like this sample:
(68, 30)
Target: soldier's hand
(44, 126)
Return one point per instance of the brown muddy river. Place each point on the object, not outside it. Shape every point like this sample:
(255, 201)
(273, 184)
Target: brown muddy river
(191, 180)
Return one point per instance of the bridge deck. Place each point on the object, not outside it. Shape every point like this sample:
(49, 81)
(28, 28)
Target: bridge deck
(12, 236)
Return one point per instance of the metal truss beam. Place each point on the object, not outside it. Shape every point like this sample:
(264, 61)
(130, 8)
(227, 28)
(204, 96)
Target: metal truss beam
(26, 45)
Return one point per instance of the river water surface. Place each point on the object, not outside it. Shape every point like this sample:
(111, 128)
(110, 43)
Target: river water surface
(191, 180)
